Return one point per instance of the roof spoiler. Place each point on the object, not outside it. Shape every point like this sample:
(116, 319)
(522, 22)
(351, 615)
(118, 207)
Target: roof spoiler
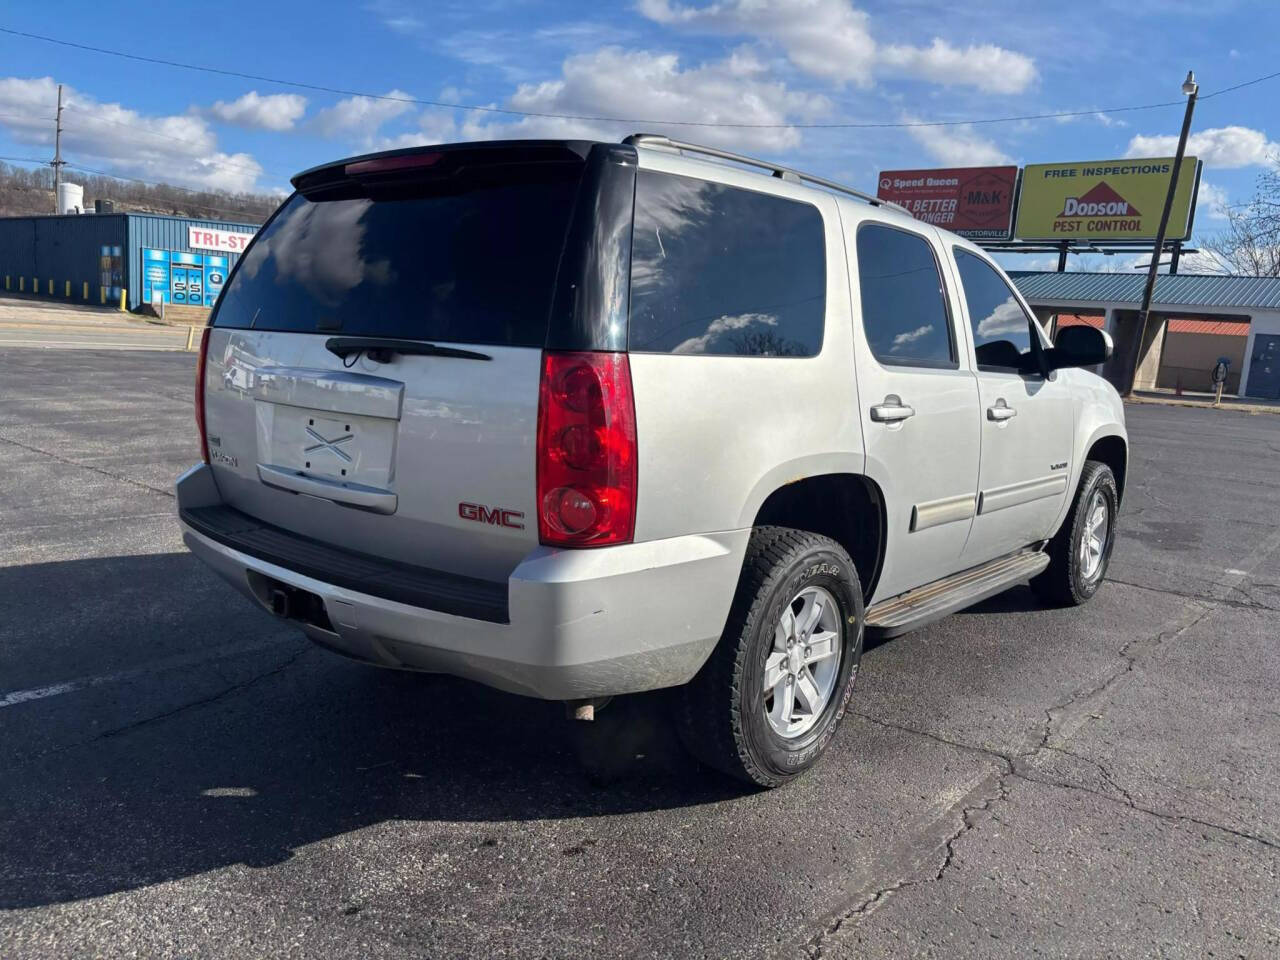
(439, 159)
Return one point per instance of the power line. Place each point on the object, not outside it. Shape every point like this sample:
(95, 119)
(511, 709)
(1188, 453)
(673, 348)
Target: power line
(632, 121)
(26, 116)
(1246, 83)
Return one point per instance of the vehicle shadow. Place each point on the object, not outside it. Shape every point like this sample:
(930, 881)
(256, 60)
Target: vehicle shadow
(167, 774)
(1019, 599)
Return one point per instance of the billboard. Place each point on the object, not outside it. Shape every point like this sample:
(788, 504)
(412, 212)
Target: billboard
(975, 202)
(1107, 199)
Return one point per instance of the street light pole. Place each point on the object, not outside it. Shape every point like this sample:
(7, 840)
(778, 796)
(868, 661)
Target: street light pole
(1191, 89)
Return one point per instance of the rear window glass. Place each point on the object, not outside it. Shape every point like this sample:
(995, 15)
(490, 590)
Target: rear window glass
(718, 270)
(470, 261)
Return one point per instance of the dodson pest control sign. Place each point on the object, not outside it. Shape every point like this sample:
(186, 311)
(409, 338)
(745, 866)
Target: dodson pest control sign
(975, 202)
(207, 238)
(1107, 199)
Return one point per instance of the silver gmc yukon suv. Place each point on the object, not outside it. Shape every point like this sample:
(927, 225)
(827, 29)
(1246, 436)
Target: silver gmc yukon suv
(582, 419)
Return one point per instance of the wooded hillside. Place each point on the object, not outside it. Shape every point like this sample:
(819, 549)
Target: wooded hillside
(30, 191)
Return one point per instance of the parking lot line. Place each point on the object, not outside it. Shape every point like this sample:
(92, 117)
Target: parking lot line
(90, 344)
(16, 697)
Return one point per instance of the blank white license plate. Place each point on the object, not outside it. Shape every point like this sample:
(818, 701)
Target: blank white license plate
(320, 443)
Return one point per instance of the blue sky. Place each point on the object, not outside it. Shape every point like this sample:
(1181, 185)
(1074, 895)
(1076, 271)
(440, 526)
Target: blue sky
(778, 62)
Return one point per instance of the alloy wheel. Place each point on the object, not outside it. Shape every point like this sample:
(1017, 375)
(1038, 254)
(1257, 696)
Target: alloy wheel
(802, 666)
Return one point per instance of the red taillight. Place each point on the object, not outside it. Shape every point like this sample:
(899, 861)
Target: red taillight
(204, 355)
(586, 450)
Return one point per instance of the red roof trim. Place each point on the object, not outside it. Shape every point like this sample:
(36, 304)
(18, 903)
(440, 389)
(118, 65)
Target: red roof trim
(1217, 327)
(1080, 320)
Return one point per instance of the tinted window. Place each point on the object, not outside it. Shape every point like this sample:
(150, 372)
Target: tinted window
(717, 270)
(472, 260)
(904, 310)
(1001, 328)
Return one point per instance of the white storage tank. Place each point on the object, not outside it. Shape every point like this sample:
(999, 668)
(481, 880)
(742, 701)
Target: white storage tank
(70, 198)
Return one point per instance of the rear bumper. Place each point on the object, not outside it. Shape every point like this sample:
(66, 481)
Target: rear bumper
(582, 623)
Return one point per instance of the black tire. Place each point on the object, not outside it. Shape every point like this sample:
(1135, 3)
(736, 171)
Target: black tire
(722, 713)
(1063, 582)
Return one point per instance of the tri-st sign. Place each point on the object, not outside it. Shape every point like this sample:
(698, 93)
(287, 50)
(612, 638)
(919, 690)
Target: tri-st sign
(224, 241)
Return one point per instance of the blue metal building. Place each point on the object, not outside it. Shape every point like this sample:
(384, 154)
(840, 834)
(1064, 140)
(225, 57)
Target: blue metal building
(97, 257)
(1250, 304)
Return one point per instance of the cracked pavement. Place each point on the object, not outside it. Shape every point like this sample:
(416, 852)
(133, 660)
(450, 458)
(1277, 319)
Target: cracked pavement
(186, 777)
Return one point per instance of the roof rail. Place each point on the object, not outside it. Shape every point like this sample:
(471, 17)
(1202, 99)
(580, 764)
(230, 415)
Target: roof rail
(782, 173)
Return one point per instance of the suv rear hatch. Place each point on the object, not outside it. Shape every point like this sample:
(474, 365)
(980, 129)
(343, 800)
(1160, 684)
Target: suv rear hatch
(373, 365)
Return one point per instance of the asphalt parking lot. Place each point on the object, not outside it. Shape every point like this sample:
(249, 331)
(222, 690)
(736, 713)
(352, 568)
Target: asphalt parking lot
(183, 776)
(70, 324)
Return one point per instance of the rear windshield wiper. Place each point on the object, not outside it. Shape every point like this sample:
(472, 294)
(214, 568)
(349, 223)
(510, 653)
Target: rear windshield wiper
(381, 350)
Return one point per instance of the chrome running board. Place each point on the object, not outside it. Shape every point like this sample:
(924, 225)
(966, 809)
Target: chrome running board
(933, 601)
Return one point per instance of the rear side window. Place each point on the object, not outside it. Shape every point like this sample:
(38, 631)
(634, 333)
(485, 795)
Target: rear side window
(1001, 328)
(471, 260)
(904, 309)
(718, 270)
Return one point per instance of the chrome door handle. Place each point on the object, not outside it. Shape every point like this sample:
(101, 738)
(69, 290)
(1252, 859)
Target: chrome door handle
(893, 410)
(1001, 411)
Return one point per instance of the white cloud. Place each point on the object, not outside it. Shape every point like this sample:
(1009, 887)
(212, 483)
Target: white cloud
(987, 67)
(180, 149)
(434, 126)
(958, 146)
(613, 82)
(1211, 201)
(361, 117)
(826, 38)
(832, 39)
(1109, 121)
(276, 111)
(1007, 317)
(396, 16)
(1225, 147)
(722, 325)
(912, 336)
(1098, 116)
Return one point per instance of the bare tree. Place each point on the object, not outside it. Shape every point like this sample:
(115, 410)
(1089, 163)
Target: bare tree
(765, 343)
(1250, 244)
(30, 191)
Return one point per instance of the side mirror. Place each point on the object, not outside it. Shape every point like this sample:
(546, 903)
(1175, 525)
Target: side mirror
(1079, 346)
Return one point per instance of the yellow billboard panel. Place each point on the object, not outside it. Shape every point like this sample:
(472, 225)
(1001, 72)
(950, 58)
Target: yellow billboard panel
(1108, 199)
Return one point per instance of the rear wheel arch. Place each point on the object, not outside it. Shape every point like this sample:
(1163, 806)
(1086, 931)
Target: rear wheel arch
(847, 507)
(1114, 452)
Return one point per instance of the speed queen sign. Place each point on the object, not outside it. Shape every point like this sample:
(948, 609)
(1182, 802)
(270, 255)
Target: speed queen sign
(975, 202)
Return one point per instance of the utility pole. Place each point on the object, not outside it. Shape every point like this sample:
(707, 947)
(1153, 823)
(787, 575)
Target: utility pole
(1191, 89)
(57, 152)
